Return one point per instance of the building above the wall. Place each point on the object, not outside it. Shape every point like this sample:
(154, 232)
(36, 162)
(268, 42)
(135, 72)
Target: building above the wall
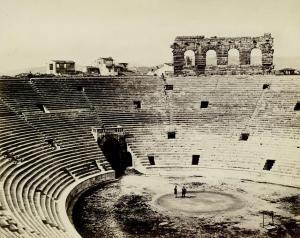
(121, 68)
(91, 70)
(164, 70)
(61, 67)
(223, 55)
(106, 66)
(288, 71)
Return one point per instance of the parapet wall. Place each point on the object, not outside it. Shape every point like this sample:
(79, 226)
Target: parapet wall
(221, 45)
(72, 195)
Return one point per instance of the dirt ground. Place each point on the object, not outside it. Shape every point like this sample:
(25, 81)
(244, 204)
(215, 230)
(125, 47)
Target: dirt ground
(145, 206)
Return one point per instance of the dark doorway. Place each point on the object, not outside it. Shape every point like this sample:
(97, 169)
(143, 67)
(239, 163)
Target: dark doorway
(244, 136)
(266, 86)
(128, 159)
(151, 159)
(195, 159)
(40, 106)
(137, 104)
(80, 88)
(116, 154)
(269, 164)
(204, 104)
(297, 107)
(171, 135)
(169, 87)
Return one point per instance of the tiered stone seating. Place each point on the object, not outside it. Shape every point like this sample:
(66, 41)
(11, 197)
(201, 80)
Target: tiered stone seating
(20, 95)
(237, 104)
(60, 94)
(18, 139)
(104, 93)
(34, 174)
(45, 154)
(72, 133)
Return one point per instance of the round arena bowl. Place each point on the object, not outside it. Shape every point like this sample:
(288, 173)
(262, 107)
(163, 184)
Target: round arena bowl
(200, 203)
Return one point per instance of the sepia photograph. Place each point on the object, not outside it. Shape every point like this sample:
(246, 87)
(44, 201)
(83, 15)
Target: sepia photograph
(150, 119)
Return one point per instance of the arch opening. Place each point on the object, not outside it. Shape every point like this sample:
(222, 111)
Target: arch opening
(128, 159)
(116, 153)
(211, 57)
(256, 57)
(233, 57)
(189, 59)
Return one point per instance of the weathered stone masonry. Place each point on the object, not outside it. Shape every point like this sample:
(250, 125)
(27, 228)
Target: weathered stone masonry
(221, 45)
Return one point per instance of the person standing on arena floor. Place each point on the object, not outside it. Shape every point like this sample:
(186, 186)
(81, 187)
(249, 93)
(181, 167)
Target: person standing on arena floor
(175, 191)
(183, 191)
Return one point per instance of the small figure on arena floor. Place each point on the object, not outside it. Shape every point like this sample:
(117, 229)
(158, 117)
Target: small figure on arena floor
(183, 192)
(175, 191)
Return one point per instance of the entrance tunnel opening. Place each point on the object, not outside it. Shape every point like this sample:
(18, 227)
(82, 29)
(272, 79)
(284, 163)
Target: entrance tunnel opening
(117, 155)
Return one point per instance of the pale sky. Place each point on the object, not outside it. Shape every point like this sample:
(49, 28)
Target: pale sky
(134, 31)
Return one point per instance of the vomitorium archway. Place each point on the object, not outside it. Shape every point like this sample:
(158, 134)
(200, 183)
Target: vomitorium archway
(222, 46)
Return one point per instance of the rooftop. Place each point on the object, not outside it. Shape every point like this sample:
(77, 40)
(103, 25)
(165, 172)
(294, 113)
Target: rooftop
(63, 61)
(107, 58)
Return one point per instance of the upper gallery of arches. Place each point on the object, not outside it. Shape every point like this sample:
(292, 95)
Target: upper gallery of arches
(233, 57)
(241, 47)
(189, 59)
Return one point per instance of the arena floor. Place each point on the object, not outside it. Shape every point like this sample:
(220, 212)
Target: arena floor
(145, 206)
(200, 203)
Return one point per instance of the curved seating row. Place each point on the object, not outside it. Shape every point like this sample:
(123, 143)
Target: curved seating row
(34, 173)
(44, 154)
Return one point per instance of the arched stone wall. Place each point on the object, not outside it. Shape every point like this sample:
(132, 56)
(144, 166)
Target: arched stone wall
(211, 58)
(114, 148)
(256, 56)
(189, 54)
(233, 57)
(200, 45)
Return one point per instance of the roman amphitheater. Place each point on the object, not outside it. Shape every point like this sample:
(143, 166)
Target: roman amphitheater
(100, 156)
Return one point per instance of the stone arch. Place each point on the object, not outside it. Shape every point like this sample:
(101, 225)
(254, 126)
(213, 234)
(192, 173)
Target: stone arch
(128, 159)
(233, 57)
(221, 45)
(189, 58)
(211, 57)
(115, 151)
(256, 56)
